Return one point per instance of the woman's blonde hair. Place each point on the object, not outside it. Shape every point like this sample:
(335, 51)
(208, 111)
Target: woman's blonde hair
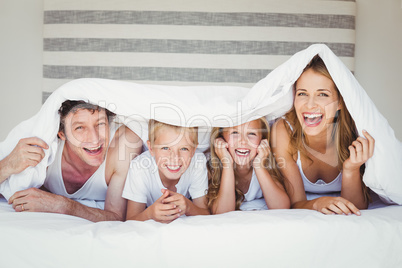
(214, 166)
(344, 131)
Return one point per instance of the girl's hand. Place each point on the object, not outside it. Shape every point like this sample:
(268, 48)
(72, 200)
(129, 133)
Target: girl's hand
(335, 205)
(222, 151)
(263, 151)
(360, 151)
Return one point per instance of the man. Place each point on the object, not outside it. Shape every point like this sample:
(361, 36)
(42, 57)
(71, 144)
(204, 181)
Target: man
(91, 163)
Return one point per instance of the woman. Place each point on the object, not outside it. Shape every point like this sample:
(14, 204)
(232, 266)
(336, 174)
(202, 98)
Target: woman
(319, 148)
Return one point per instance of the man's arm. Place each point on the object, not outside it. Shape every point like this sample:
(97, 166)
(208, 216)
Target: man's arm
(124, 147)
(27, 153)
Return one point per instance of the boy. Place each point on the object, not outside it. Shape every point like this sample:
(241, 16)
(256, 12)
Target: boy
(161, 181)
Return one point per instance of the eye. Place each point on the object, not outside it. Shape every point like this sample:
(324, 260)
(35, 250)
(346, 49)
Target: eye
(252, 134)
(323, 95)
(78, 128)
(165, 148)
(184, 149)
(301, 94)
(234, 132)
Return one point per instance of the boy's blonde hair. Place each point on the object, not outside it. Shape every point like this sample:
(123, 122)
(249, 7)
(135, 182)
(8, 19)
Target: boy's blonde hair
(155, 126)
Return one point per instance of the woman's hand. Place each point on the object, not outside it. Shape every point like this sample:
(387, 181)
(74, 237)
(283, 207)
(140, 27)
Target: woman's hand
(335, 205)
(221, 150)
(360, 151)
(263, 151)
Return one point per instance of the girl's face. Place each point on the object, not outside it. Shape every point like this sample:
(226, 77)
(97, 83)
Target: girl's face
(243, 141)
(316, 102)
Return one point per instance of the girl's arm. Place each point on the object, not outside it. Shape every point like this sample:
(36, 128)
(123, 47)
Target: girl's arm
(226, 199)
(294, 184)
(274, 194)
(352, 186)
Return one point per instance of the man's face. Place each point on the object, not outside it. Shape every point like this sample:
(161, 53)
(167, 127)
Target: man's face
(87, 136)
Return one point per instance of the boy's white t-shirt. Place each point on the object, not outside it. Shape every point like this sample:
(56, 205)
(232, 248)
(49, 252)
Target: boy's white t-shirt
(143, 183)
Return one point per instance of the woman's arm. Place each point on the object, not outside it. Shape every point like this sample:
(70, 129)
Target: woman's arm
(294, 185)
(352, 186)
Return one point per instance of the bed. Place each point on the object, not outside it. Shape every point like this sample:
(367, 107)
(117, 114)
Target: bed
(237, 44)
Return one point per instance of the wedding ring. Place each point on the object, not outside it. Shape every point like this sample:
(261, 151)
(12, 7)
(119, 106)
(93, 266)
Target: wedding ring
(22, 207)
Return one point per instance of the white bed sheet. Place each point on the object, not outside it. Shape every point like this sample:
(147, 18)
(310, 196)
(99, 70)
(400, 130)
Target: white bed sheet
(274, 238)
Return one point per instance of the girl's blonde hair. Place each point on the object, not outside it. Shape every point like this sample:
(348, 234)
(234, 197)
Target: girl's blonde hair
(214, 166)
(344, 131)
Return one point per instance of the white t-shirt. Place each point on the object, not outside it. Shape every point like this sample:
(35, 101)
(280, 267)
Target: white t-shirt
(143, 183)
(254, 190)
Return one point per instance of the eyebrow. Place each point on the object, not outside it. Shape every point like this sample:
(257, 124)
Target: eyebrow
(321, 89)
(82, 122)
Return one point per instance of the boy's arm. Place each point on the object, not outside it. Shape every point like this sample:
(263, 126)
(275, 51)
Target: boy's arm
(197, 207)
(158, 211)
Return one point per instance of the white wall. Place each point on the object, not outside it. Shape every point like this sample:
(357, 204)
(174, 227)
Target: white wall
(20, 61)
(379, 56)
(378, 59)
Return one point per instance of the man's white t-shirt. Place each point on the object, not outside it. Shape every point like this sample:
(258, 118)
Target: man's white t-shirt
(143, 183)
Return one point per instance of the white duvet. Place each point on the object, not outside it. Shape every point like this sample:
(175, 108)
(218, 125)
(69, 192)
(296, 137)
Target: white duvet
(214, 106)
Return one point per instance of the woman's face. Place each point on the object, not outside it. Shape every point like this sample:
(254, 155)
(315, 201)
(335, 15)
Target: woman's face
(316, 102)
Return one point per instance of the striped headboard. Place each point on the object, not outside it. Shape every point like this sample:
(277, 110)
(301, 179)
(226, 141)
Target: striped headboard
(182, 42)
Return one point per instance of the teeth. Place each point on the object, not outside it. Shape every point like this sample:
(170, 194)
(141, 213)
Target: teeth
(242, 151)
(173, 167)
(312, 115)
(94, 149)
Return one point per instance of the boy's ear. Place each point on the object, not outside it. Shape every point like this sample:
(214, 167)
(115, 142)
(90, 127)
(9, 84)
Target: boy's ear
(61, 135)
(150, 148)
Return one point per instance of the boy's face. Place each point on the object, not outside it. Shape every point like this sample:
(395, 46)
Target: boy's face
(172, 150)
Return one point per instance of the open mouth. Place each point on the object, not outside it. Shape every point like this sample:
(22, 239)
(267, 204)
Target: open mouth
(242, 152)
(312, 119)
(173, 168)
(94, 151)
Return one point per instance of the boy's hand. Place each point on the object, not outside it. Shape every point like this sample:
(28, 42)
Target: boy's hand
(178, 200)
(162, 211)
(263, 151)
(221, 150)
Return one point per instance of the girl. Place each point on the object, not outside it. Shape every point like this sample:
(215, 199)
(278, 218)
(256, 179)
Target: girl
(319, 144)
(242, 168)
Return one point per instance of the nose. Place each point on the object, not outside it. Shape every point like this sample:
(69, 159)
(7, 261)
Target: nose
(243, 138)
(311, 102)
(93, 136)
(174, 154)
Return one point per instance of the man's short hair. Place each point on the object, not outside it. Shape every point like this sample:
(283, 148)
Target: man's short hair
(154, 126)
(72, 106)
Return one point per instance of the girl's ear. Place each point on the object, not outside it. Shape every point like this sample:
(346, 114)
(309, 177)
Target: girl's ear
(150, 148)
(61, 135)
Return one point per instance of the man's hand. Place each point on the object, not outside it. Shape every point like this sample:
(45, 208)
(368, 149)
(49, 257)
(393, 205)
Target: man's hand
(36, 200)
(27, 153)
